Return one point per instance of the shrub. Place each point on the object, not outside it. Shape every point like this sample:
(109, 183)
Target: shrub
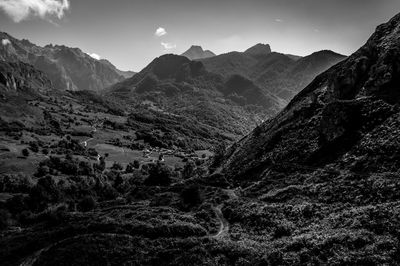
(109, 193)
(42, 170)
(136, 164)
(16, 204)
(5, 217)
(88, 203)
(159, 175)
(33, 146)
(191, 195)
(282, 230)
(45, 192)
(188, 170)
(45, 151)
(117, 166)
(25, 152)
(129, 168)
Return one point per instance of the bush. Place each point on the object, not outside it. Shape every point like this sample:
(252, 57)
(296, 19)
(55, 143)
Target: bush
(188, 170)
(136, 164)
(5, 217)
(25, 152)
(33, 146)
(16, 204)
(159, 175)
(191, 195)
(44, 193)
(117, 166)
(88, 203)
(129, 168)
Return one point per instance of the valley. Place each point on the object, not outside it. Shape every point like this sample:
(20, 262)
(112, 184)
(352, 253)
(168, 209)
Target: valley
(243, 158)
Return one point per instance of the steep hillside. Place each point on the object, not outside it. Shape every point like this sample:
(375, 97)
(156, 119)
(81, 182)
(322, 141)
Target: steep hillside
(197, 52)
(67, 68)
(340, 118)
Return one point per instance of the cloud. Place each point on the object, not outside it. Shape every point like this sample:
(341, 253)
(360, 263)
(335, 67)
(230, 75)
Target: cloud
(19, 10)
(95, 56)
(278, 20)
(160, 32)
(5, 42)
(316, 30)
(168, 45)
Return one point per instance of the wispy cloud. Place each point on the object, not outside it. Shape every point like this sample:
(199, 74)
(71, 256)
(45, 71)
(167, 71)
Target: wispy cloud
(160, 32)
(19, 10)
(168, 45)
(278, 20)
(5, 42)
(95, 56)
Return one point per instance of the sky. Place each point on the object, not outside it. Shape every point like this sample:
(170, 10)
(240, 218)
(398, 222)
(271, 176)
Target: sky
(131, 33)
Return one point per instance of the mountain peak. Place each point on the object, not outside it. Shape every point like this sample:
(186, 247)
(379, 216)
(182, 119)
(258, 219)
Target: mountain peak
(197, 52)
(259, 49)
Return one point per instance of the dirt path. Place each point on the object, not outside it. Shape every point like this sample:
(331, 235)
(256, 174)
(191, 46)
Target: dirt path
(224, 224)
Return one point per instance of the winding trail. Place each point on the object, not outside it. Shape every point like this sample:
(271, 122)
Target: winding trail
(224, 224)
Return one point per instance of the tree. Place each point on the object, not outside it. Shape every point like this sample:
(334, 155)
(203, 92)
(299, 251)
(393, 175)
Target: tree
(188, 170)
(25, 152)
(129, 168)
(117, 166)
(136, 164)
(33, 146)
(191, 196)
(88, 203)
(4, 219)
(159, 175)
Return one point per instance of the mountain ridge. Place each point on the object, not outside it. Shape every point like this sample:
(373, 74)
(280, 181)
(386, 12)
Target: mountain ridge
(68, 68)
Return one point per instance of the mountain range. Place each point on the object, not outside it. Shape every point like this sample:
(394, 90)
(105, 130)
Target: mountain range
(67, 68)
(278, 74)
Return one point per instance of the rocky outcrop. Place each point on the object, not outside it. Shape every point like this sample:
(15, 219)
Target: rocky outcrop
(259, 49)
(15, 77)
(197, 52)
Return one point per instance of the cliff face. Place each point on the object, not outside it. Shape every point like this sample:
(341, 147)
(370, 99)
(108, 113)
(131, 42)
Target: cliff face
(17, 76)
(67, 68)
(348, 117)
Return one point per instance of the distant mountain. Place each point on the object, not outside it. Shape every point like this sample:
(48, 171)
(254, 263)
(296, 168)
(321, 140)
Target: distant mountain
(179, 87)
(67, 68)
(197, 52)
(277, 74)
(259, 49)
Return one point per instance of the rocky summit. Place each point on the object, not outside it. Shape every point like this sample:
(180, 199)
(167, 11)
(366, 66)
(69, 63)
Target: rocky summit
(197, 52)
